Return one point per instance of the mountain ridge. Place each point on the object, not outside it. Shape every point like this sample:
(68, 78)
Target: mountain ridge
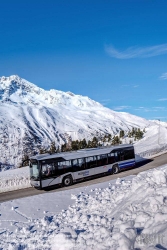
(29, 112)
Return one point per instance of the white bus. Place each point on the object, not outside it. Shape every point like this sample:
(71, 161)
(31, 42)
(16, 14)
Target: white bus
(68, 167)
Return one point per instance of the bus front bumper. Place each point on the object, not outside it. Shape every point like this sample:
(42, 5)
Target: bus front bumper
(35, 184)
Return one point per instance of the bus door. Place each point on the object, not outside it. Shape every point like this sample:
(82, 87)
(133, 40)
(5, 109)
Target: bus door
(47, 173)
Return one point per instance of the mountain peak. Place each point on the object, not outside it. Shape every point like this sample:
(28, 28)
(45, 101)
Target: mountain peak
(10, 78)
(6, 81)
(18, 90)
(15, 85)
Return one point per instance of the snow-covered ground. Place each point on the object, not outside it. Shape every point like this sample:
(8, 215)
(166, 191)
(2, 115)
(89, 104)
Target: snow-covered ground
(129, 213)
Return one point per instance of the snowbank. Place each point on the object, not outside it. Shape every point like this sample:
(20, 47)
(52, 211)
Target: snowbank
(123, 214)
(14, 179)
(153, 142)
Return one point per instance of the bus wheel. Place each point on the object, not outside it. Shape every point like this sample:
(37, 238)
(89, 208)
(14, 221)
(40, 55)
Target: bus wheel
(67, 180)
(115, 169)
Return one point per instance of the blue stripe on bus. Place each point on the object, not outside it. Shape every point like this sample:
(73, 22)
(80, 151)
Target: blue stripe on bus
(126, 164)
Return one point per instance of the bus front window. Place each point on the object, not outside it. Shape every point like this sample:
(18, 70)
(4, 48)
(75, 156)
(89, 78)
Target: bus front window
(34, 170)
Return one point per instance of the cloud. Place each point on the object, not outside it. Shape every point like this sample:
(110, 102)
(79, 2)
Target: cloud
(127, 85)
(105, 101)
(164, 76)
(137, 52)
(160, 117)
(122, 107)
(143, 109)
(162, 99)
(152, 109)
(157, 109)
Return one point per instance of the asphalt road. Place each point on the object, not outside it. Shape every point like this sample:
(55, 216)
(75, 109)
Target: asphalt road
(141, 166)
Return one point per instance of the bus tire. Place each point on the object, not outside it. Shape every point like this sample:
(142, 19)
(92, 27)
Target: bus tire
(115, 169)
(67, 181)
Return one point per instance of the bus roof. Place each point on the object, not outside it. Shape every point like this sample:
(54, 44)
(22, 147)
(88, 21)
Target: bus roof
(79, 153)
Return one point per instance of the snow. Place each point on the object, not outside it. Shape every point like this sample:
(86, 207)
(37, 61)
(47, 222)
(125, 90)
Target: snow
(14, 179)
(124, 213)
(154, 140)
(31, 117)
(128, 213)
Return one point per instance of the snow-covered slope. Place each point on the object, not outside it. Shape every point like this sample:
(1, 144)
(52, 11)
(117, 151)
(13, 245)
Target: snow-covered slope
(123, 214)
(30, 116)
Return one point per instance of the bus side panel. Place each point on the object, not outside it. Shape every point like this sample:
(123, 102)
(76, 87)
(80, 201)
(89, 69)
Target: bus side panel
(83, 173)
(50, 182)
(109, 168)
(57, 180)
(127, 164)
(103, 169)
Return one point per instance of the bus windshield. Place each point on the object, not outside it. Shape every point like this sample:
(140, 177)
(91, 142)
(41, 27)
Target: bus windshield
(34, 170)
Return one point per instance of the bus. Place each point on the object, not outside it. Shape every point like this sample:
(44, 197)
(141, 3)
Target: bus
(66, 168)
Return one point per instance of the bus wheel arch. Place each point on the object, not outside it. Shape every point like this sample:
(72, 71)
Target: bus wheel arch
(67, 180)
(115, 169)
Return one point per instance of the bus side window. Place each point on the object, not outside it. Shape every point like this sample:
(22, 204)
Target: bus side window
(90, 162)
(104, 159)
(81, 164)
(117, 156)
(111, 158)
(121, 155)
(75, 164)
(67, 164)
(129, 154)
(55, 168)
(47, 170)
(99, 162)
(64, 166)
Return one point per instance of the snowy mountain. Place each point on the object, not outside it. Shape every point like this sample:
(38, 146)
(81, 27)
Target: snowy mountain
(30, 115)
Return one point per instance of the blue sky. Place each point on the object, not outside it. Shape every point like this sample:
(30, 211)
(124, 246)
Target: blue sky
(115, 52)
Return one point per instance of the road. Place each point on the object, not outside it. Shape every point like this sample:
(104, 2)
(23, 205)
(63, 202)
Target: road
(142, 166)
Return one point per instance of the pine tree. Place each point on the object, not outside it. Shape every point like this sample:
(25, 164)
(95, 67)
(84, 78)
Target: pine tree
(52, 149)
(121, 133)
(94, 142)
(84, 143)
(64, 147)
(25, 161)
(138, 134)
(89, 144)
(43, 151)
(116, 140)
(109, 137)
(58, 150)
(74, 145)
